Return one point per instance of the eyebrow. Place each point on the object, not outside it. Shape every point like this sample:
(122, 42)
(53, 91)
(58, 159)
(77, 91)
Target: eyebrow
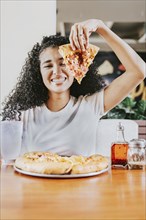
(48, 61)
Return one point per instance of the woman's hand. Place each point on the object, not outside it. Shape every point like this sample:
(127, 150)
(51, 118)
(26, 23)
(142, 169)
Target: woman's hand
(80, 33)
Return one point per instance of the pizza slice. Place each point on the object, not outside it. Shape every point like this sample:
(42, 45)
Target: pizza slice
(78, 61)
(94, 163)
(43, 163)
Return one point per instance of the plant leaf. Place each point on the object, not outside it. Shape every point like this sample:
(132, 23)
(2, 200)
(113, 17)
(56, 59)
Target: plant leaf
(120, 114)
(128, 103)
(141, 107)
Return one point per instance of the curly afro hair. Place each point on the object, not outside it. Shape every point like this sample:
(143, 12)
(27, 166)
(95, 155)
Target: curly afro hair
(30, 90)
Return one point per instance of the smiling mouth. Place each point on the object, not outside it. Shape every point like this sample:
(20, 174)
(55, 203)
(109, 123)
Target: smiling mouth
(59, 80)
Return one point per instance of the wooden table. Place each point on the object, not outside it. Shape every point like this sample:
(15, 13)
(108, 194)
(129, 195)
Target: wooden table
(114, 195)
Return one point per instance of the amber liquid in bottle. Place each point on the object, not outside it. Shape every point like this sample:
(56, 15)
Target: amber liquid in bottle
(119, 148)
(119, 153)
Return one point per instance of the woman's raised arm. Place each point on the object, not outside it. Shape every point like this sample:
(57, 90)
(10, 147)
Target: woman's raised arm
(134, 65)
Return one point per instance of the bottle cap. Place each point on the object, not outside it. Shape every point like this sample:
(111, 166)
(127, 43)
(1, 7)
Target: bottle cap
(137, 143)
(120, 127)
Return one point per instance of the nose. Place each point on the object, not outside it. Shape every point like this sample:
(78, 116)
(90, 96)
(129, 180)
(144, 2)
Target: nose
(57, 70)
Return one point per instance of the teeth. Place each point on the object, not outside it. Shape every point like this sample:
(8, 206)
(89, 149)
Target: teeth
(60, 80)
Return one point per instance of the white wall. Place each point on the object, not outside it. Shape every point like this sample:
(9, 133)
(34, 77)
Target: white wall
(106, 10)
(23, 23)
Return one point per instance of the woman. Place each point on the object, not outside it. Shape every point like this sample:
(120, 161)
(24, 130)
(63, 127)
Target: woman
(58, 114)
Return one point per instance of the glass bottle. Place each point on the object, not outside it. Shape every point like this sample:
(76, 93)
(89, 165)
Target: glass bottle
(119, 148)
(136, 154)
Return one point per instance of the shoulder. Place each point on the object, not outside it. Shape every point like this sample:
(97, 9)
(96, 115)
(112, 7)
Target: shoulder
(95, 101)
(32, 112)
(96, 97)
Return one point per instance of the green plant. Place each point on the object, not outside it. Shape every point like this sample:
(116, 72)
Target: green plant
(128, 109)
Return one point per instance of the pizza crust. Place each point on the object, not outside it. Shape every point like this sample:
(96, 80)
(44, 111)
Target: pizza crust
(90, 164)
(43, 163)
(43, 167)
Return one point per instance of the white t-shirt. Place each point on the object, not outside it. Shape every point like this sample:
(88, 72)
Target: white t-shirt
(71, 130)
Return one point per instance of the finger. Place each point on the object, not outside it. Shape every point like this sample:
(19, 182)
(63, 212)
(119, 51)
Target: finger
(86, 34)
(75, 38)
(81, 37)
(71, 39)
(72, 43)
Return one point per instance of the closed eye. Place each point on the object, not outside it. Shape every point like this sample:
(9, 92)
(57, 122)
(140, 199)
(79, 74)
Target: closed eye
(62, 64)
(49, 66)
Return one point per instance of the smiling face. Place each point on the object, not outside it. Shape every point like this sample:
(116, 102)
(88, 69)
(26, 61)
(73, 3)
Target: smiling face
(55, 75)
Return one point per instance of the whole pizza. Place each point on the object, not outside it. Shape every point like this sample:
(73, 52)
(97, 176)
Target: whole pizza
(52, 163)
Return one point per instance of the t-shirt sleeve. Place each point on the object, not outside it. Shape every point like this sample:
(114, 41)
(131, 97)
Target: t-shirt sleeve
(96, 101)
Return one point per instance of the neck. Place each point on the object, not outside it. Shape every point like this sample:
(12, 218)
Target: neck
(57, 101)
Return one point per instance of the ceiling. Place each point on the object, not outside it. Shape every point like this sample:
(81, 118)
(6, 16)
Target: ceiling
(126, 18)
